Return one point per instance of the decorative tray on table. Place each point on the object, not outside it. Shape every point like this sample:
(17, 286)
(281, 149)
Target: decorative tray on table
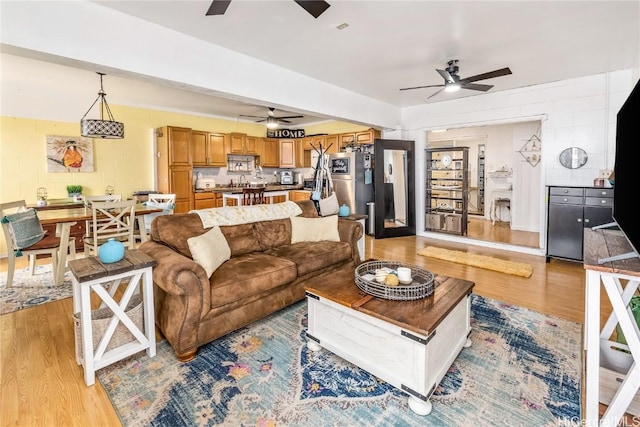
(422, 282)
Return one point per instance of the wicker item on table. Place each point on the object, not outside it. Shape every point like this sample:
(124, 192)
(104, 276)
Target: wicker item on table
(421, 286)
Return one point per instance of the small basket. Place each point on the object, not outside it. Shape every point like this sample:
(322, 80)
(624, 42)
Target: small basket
(422, 284)
(100, 320)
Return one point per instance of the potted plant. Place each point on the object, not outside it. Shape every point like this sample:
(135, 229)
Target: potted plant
(75, 191)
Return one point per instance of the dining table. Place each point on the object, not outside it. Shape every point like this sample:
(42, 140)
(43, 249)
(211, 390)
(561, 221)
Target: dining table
(64, 219)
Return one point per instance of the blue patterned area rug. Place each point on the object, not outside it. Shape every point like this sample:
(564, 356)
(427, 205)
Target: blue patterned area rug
(522, 369)
(28, 291)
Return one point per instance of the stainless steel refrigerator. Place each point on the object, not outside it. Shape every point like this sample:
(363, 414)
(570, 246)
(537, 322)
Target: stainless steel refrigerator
(352, 176)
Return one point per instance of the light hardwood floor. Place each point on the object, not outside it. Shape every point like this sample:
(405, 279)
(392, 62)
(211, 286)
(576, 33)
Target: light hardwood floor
(42, 384)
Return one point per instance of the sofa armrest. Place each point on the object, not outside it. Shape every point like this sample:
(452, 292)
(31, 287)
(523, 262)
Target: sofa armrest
(176, 274)
(351, 231)
(183, 296)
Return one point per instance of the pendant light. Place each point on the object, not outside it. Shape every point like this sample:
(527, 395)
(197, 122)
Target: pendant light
(108, 129)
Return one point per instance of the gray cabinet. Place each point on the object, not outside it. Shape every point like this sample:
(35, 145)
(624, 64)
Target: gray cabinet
(569, 211)
(447, 190)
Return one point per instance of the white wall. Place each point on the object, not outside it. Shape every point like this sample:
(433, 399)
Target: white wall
(577, 112)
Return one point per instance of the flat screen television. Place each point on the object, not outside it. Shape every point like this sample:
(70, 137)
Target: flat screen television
(626, 186)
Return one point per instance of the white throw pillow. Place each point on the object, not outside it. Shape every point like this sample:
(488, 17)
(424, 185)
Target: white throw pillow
(210, 249)
(314, 229)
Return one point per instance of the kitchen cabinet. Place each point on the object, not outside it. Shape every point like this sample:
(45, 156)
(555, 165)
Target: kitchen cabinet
(299, 195)
(240, 143)
(363, 137)
(206, 200)
(174, 177)
(288, 153)
(177, 142)
(208, 149)
(181, 184)
(269, 156)
(569, 211)
(331, 144)
(447, 190)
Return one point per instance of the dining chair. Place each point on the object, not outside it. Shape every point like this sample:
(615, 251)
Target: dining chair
(110, 220)
(16, 226)
(102, 198)
(157, 200)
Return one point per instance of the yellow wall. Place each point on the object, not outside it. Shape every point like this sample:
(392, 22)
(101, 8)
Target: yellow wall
(125, 164)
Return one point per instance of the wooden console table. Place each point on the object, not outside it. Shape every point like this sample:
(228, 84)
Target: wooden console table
(612, 369)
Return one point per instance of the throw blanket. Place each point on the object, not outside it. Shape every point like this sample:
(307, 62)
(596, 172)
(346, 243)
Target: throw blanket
(234, 215)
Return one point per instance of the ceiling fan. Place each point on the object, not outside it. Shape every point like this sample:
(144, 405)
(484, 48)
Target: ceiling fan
(271, 119)
(453, 82)
(314, 7)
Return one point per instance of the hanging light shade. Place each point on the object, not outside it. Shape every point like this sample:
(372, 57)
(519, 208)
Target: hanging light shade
(272, 123)
(102, 128)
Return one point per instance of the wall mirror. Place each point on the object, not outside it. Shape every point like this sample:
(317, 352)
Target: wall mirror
(394, 188)
(573, 158)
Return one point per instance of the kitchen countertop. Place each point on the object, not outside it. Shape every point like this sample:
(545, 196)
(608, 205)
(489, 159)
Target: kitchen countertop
(237, 190)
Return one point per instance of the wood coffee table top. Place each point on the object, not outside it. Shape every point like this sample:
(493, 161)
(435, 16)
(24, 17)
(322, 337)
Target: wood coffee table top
(421, 316)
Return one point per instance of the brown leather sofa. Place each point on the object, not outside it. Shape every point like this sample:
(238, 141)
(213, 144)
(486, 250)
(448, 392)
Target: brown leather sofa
(264, 274)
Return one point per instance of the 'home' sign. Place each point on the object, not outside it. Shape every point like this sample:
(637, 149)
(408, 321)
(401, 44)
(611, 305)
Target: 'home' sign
(285, 133)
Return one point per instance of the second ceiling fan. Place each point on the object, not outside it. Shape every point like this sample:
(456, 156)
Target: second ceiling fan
(314, 7)
(271, 119)
(453, 82)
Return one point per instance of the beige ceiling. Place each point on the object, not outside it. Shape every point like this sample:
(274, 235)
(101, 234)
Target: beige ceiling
(393, 44)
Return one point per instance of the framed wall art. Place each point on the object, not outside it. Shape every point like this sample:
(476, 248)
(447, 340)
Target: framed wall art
(69, 154)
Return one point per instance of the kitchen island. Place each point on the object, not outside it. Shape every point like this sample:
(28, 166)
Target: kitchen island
(222, 195)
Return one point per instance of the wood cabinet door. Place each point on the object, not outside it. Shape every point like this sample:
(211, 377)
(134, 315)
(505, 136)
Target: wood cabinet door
(217, 149)
(179, 140)
(236, 143)
(299, 156)
(199, 155)
(367, 136)
(270, 157)
(331, 143)
(251, 145)
(181, 183)
(317, 141)
(346, 139)
(287, 153)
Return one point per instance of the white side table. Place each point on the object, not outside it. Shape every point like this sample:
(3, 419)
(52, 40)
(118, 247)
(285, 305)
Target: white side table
(89, 274)
(612, 375)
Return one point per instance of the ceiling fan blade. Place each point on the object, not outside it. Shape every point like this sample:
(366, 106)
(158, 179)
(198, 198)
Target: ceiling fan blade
(218, 7)
(314, 7)
(420, 87)
(282, 121)
(476, 86)
(446, 76)
(435, 93)
(253, 117)
(289, 117)
(489, 75)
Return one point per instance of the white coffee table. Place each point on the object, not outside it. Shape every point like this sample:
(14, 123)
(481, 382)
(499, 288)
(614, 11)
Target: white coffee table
(408, 344)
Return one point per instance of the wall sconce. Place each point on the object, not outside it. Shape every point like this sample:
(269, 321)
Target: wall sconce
(92, 128)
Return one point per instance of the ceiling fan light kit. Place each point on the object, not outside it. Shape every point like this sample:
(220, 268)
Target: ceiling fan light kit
(272, 120)
(106, 129)
(453, 82)
(272, 123)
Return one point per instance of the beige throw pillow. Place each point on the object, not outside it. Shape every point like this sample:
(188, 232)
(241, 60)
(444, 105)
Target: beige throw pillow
(210, 249)
(314, 229)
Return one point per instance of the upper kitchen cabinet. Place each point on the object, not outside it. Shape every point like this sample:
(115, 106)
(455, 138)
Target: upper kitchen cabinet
(269, 153)
(240, 143)
(176, 144)
(363, 137)
(331, 143)
(208, 149)
(288, 150)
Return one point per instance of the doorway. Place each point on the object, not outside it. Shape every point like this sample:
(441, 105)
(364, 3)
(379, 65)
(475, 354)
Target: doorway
(504, 186)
